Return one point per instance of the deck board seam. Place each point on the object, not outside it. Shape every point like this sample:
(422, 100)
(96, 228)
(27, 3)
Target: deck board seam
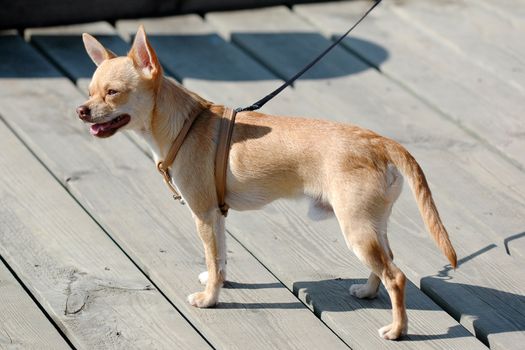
(50, 59)
(234, 42)
(35, 301)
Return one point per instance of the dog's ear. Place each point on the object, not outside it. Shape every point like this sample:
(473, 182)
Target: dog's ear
(96, 50)
(144, 56)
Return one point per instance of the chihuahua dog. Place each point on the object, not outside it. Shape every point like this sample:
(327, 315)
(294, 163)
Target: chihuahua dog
(351, 172)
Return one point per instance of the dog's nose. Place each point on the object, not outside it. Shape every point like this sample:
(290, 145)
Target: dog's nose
(83, 112)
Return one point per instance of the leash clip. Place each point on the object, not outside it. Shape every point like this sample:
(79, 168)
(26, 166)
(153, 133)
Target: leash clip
(167, 180)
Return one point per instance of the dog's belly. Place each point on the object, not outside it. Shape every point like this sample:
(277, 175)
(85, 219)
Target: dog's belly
(256, 192)
(248, 200)
(317, 210)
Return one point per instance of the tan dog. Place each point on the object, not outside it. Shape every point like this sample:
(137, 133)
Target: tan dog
(345, 169)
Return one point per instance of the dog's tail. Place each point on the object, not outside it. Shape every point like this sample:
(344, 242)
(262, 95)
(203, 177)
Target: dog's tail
(408, 166)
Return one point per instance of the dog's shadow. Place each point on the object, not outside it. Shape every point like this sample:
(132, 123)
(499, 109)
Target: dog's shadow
(332, 295)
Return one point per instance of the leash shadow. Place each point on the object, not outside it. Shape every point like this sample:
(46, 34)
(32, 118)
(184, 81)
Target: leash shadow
(511, 238)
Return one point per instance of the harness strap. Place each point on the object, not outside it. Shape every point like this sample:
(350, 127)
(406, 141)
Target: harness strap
(222, 156)
(163, 166)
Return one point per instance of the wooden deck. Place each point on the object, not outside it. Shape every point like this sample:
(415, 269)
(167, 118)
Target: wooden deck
(90, 259)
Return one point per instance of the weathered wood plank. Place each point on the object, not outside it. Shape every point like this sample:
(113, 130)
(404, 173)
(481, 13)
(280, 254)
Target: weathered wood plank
(120, 187)
(22, 324)
(460, 174)
(513, 10)
(490, 41)
(353, 320)
(86, 284)
(478, 100)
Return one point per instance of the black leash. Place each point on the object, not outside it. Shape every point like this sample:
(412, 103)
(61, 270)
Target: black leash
(290, 81)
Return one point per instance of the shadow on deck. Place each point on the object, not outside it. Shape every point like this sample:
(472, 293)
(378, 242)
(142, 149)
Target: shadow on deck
(79, 65)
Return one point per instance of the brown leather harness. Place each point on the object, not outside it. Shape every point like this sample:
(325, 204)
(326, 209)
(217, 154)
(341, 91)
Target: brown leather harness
(221, 156)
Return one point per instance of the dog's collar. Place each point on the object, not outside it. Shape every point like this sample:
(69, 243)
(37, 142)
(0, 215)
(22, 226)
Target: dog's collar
(163, 166)
(221, 156)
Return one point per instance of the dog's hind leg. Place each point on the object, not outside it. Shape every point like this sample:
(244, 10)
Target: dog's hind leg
(394, 183)
(361, 213)
(210, 226)
(370, 289)
(364, 241)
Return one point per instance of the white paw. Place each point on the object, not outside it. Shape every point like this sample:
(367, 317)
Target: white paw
(202, 300)
(362, 291)
(203, 277)
(390, 332)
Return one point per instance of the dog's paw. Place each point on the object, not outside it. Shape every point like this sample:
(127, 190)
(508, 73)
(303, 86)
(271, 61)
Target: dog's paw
(363, 291)
(202, 300)
(391, 332)
(203, 277)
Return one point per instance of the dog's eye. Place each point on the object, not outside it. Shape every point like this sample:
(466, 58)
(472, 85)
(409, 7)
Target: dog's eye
(112, 92)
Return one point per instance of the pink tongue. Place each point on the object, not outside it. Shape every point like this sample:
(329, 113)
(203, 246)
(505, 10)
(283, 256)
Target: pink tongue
(95, 129)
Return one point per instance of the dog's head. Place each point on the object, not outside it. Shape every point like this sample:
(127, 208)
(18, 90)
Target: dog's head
(123, 89)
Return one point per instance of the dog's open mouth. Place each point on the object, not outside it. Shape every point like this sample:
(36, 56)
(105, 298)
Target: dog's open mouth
(109, 128)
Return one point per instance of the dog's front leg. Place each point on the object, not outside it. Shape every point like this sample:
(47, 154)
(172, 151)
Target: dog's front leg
(220, 237)
(210, 226)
